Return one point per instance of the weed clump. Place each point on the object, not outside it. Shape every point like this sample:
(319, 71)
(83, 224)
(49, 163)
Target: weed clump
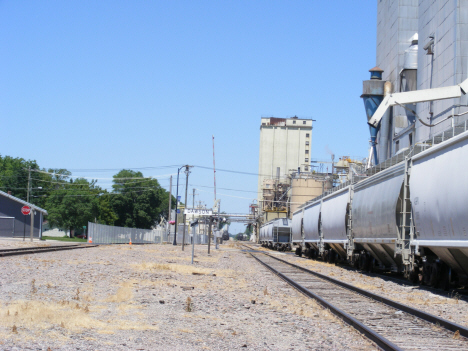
(77, 296)
(33, 286)
(189, 305)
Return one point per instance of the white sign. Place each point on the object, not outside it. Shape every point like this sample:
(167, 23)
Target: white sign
(199, 211)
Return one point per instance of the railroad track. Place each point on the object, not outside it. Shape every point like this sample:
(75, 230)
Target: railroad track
(391, 325)
(34, 250)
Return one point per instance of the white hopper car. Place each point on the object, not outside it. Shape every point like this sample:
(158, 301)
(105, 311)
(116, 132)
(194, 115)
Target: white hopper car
(411, 217)
(276, 234)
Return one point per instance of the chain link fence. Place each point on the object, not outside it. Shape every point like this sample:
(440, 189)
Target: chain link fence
(107, 234)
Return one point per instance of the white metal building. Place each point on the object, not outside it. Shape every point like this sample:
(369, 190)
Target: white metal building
(421, 45)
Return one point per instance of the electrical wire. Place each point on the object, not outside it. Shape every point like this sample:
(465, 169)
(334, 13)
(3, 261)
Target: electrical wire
(71, 176)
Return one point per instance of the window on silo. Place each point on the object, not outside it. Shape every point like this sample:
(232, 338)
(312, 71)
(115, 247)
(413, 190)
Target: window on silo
(307, 151)
(294, 122)
(307, 160)
(304, 122)
(307, 143)
(307, 135)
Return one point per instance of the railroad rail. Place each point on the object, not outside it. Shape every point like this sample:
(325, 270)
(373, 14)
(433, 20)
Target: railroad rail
(36, 249)
(391, 325)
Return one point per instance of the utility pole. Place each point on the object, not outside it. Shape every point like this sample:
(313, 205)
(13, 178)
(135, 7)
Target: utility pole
(31, 213)
(193, 227)
(170, 209)
(193, 218)
(177, 208)
(29, 184)
(214, 172)
(209, 234)
(187, 172)
(219, 229)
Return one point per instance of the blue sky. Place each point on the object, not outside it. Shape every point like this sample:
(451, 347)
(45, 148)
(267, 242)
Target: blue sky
(88, 85)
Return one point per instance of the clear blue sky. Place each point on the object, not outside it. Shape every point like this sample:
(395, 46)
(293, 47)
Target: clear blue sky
(88, 85)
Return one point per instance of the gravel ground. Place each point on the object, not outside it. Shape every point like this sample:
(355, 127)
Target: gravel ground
(450, 306)
(148, 298)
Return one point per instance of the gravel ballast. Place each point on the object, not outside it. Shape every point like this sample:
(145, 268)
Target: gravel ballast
(150, 297)
(448, 305)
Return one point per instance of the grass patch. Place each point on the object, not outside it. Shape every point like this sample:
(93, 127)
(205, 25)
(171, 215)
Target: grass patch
(65, 238)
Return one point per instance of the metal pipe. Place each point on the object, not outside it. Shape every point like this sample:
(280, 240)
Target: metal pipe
(385, 125)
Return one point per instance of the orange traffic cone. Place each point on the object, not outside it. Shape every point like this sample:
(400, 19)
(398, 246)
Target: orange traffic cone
(130, 243)
(90, 240)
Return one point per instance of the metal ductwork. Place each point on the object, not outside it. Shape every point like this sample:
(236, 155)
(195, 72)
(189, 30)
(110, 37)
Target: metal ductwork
(373, 94)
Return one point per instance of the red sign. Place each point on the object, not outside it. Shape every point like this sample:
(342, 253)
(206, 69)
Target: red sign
(25, 210)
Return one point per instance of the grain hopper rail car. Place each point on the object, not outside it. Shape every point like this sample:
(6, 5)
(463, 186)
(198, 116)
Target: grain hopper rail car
(408, 217)
(276, 234)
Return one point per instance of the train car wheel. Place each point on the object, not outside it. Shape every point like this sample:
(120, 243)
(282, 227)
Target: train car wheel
(299, 251)
(435, 275)
(445, 277)
(330, 256)
(372, 265)
(413, 275)
(426, 273)
(364, 262)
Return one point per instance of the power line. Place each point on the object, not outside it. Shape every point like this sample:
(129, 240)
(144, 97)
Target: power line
(244, 191)
(117, 169)
(129, 178)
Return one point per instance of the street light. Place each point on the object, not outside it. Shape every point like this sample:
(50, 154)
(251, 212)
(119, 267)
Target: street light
(177, 207)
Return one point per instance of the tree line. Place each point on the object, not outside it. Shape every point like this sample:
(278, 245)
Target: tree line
(134, 201)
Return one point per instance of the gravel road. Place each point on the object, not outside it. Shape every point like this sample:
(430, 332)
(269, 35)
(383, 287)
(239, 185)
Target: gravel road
(150, 297)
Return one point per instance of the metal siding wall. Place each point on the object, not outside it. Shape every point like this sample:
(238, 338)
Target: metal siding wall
(296, 227)
(334, 216)
(448, 22)
(10, 208)
(374, 204)
(397, 22)
(311, 217)
(439, 202)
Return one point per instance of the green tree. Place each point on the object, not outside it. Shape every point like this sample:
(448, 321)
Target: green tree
(14, 175)
(73, 204)
(106, 214)
(137, 201)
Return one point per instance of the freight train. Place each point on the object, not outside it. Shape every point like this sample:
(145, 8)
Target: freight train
(408, 214)
(276, 234)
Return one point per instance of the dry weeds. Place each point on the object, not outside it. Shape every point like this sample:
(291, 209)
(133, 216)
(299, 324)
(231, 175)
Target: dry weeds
(183, 269)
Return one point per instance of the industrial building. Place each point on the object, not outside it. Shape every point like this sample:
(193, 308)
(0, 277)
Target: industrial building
(285, 147)
(13, 223)
(420, 45)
